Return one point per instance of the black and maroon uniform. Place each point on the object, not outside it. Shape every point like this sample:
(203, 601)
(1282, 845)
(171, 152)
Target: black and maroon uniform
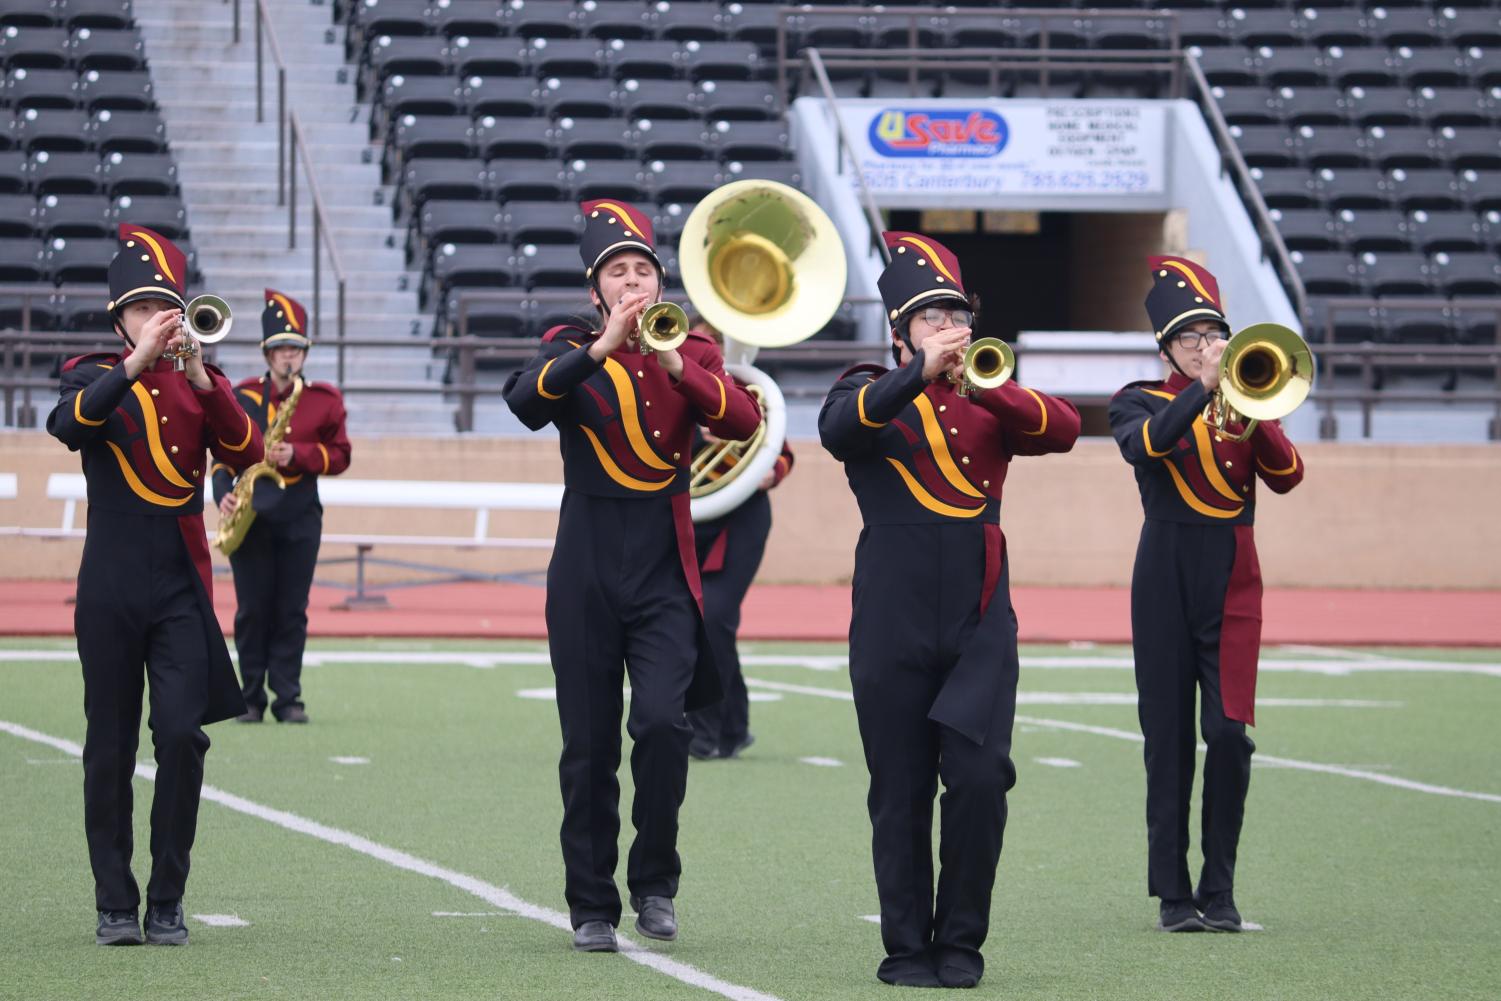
(933, 657)
(729, 554)
(144, 584)
(623, 592)
(1195, 594)
(273, 567)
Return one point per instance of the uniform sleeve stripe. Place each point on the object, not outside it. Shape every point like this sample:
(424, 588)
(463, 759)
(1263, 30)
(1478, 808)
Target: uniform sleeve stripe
(325, 456)
(1148, 440)
(541, 391)
(1041, 406)
(78, 412)
(860, 406)
(244, 442)
(1279, 472)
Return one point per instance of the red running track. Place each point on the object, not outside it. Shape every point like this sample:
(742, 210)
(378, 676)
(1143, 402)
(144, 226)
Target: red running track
(797, 612)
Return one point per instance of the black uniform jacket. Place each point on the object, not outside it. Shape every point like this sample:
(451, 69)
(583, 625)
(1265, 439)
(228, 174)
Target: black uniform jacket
(143, 444)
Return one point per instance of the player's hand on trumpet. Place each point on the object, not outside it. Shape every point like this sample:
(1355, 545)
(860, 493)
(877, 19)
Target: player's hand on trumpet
(943, 353)
(153, 341)
(621, 326)
(1209, 370)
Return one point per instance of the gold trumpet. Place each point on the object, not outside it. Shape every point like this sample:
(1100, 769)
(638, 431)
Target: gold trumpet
(206, 320)
(1266, 373)
(662, 326)
(988, 363)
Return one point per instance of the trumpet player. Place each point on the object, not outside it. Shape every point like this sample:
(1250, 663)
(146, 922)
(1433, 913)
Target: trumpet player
(933, 658)
(273, 565)
(1195, 593)
(623, 590)
(145, 617)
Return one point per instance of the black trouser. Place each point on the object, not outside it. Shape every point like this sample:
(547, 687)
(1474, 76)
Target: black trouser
(916, 611)
(273, 571)
(726, 724)
(617, 604)
(138, 604)
(1177, 606)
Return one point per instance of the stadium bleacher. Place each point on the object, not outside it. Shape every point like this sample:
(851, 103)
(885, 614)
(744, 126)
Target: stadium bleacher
(82, 148)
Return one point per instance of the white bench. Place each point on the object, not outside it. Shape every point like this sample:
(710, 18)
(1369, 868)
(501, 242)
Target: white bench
(481, 498)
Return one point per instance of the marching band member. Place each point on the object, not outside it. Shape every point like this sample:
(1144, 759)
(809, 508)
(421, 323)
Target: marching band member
(273, 567)
(144, 584)
(623, 585)
(1195, 593)
(730, 549)
(933, 656)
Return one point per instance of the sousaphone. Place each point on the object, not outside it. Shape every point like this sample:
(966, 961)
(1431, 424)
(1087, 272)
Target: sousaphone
(763, 265)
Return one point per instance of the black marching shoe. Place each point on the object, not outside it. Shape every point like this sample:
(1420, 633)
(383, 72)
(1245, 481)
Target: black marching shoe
(734, 749)
(908, 972)
(252, 714)
(1178, 915)
(702, 749)
(117, 928)
(595, 936)
(655, 917)
(1219, 911)
(296, 714)
(164, 925)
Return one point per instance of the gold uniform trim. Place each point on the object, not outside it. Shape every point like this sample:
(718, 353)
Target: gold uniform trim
(614, 471)
(325, 456)
(1193, 280)
(157, 252)
(1147, 438)
(154, 440)
(288, 313)
(1211, 467)
(927, 500)
(1040, 406)
(542, 391)
(1158, 392)
(940, 449)
(167, 293)
(932, 257)
(724, 400)
(1279, 472)
(630, 418)
(1187, 494)
(140, 489)
(249, 430)
(78, 412)
(860, 406)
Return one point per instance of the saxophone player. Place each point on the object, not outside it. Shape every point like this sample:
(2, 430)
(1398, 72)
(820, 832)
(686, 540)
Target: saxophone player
(273, 566)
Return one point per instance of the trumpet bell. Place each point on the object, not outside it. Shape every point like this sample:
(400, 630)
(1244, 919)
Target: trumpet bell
(662, 326)
(762, 263)
(208, 319)
(1266, 372)
(988, 363)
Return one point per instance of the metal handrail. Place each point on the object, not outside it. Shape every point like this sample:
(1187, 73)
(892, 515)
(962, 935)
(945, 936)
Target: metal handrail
(844, 147)
(20, 350)
(1261, 216)
(290, 141)
(322, 234)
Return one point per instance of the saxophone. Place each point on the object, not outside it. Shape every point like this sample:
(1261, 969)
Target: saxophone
(232, 529)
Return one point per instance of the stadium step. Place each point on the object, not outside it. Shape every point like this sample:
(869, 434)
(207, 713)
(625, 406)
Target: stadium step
(227, 167)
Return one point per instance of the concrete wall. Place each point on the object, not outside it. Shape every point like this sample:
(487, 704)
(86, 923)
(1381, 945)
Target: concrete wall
(1367, 516)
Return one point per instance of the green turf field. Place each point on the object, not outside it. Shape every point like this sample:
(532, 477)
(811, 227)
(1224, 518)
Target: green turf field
(438, 762)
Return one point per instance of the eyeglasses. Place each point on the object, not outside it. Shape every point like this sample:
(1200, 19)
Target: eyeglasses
(935, 317)
(1191, 339)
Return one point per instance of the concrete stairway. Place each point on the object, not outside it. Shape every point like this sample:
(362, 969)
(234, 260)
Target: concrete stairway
(227, 164)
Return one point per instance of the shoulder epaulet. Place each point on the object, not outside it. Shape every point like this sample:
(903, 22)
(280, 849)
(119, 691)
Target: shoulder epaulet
(699, 335)
(320, 387)
(250, 383)
(561, 331)
(875, 371)
(1139, 384)
(215, 370)
(101, 357)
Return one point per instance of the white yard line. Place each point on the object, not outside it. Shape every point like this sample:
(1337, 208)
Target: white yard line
(1105, 731)
(488, 892)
